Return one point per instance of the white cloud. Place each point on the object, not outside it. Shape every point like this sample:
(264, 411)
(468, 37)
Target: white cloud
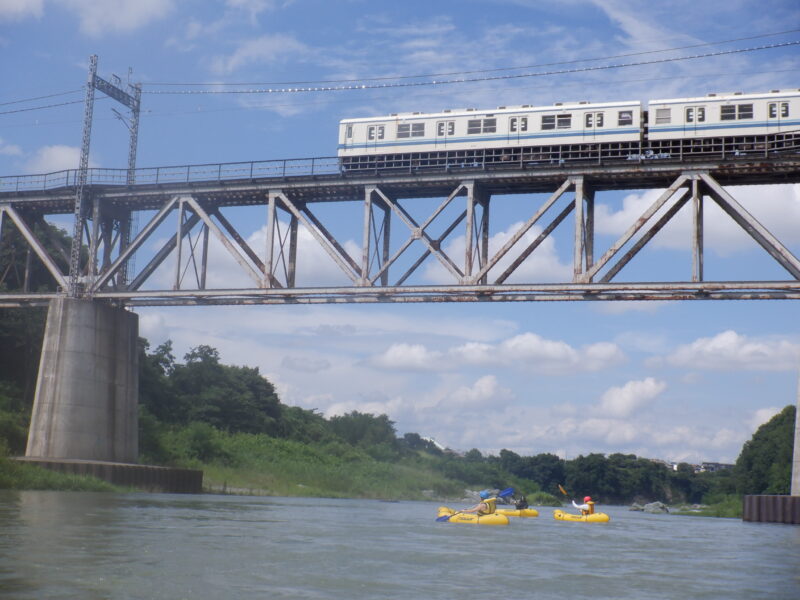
(761, 416)
(729, 351)
(480, 395)
(9, 149)
(49, 159)
(543, 265)
(526, 351)
(104, 17)
(408, 356)
(264, 50)
(305, 364)
(624, 401)
(16, 10)
(776, 207)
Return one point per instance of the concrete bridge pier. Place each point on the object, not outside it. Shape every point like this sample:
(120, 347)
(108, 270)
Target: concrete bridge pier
(87, 393)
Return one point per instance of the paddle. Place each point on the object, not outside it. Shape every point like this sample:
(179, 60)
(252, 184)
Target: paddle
(444, 518)
(504, 494)
(563, 491)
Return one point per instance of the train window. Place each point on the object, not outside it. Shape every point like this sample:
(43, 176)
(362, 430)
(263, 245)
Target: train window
(481, 126)
(773, 109)
(563, 121)
(380, 132)
(599, 120)
(451, 127)
(727, 113)
(516, 124)
(744, 111)
(405, 130)
(548, 121)
(701, 114)
(371, 132)
(625, 117)
(663, 115)
(690, 114)
(349, 131)
(589, 120)
(440, 128)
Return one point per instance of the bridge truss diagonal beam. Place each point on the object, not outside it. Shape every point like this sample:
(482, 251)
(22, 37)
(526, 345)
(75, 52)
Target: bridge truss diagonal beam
(321, 235)
(34, 244)
(751, 225)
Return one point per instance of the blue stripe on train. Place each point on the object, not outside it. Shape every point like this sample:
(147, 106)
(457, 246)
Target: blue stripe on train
(494, 138)
(726, 125)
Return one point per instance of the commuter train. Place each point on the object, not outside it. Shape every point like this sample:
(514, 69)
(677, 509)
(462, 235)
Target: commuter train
(721, 125)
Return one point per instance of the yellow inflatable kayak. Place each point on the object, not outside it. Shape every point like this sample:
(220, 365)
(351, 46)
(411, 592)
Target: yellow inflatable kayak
(470, 518)
(518, 512)
(560, 515)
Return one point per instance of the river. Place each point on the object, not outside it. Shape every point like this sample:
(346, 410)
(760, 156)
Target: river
(87, 546)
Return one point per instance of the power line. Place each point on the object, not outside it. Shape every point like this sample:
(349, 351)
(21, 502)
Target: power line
(159, 114)
(40, 97)
(19, 110)
(365, 86)
(448, 74)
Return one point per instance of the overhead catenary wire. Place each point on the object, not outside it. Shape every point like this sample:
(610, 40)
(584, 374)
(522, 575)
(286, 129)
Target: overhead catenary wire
(41, 97)
(20, 110)
(399, 84)
(150, 113)
(495, 70)
(365, 86)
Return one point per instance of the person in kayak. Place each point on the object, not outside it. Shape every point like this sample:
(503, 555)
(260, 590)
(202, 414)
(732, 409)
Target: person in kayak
(587, 508)
(486, 506)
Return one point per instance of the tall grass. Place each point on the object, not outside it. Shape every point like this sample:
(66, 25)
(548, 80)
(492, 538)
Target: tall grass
(15, 475)
(258, 463)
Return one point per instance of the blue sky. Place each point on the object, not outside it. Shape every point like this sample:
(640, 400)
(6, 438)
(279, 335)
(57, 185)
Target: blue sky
(679, 381)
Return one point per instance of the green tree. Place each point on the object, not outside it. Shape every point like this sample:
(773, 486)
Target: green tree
(363, 429)
(236, 399)
(765, 464)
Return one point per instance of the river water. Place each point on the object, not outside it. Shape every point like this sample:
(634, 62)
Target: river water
(87, 546)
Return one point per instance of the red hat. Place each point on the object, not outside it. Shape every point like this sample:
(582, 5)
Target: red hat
(587, 499)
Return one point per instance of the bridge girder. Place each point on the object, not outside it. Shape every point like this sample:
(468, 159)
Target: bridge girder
(375, 271)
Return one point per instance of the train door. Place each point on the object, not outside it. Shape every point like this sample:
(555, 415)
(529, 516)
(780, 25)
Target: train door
(776, 112)
(517, 129)
(444, 130)
(592, 121)
(694, 119)
(375, 135)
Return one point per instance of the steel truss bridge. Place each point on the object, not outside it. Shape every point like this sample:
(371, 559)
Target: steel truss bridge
(201, 201)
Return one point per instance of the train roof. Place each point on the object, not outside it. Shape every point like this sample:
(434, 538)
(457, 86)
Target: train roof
(522, 108)
(730, 96)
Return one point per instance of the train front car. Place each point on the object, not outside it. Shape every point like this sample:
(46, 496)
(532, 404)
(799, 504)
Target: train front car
(515, 136)
(724, 125)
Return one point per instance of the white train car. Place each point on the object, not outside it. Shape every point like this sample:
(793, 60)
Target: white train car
(734, 115)
(428, 139)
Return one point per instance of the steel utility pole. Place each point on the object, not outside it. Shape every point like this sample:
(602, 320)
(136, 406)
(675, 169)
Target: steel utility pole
(133, 101)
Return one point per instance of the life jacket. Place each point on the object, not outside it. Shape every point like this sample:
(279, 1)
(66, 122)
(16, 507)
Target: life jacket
(590, 504)
(491, 504)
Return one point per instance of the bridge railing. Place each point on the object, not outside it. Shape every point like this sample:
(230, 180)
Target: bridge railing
(295, 167)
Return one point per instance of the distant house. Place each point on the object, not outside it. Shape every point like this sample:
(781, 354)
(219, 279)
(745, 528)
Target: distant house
(430, 440)
(711, 467)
